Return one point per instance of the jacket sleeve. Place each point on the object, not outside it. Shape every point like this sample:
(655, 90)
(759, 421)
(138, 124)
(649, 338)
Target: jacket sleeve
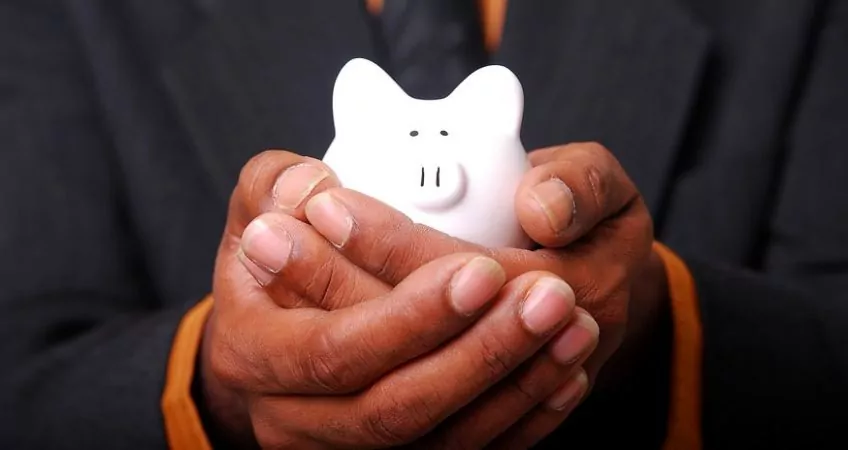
(84, 343)
(775, 361)
(758, 357)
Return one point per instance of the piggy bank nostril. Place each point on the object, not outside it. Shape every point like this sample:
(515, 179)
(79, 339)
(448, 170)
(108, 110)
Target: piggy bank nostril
(440, 185)
(423, 179)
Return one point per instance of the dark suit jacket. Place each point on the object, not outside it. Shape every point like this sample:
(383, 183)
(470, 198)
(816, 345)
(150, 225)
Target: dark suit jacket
(123, 125)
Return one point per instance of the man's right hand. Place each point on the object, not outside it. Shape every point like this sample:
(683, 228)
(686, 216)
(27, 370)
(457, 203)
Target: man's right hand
(393, 368)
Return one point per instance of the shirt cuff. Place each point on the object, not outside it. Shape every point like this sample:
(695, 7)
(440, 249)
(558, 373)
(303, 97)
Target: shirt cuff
(183, 427)
(684, 421)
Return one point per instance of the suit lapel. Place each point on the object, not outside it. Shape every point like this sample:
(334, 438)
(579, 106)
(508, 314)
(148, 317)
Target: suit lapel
(623, 73)
(256, 75)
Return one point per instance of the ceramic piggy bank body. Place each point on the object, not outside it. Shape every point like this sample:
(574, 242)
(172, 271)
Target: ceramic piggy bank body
(452, 164)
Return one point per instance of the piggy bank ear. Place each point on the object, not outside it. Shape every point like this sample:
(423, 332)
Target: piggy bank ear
(494, 97)
(363, 95)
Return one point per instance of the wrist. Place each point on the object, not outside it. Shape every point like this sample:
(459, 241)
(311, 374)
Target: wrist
(647, 342)
(650, 304)
(223, 412)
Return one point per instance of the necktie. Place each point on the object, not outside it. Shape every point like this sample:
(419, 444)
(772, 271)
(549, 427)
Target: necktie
(432, 45)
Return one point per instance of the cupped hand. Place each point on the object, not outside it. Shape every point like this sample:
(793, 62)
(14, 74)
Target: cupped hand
(390, 363)
(591, 224)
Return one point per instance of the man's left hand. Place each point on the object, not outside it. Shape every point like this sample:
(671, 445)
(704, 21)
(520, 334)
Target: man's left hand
(589, 220)
(576, 202)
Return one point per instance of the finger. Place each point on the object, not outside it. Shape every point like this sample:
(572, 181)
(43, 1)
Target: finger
(387, 244)
(276, 180)
(504, 405)
(408, 402)
(308, 351)
(543, 155)
(601, 270)
(288, 256)
(571, 190)
(546, 417)
(390, 246)
(600, 265)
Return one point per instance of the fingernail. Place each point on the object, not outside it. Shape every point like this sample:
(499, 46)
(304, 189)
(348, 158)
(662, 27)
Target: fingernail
(295, 184)
(556, 199)
(547, 305)
(330, 218)
(570, 393)
(475, 284)
(578, 339)
(267, 246)
(262, 276)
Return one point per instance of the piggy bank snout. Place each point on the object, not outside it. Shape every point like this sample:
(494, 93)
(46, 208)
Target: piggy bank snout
(435, 185)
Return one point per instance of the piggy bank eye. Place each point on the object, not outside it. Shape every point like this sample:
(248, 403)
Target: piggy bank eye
(443, 133)
(413, 133)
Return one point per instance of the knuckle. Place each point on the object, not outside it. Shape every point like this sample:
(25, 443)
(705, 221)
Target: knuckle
(600, 153)
(497, 356)
(324, 370)
(254, 166)
(386, 262)
(392, 250)
(594, 152)
(398, 420)
(600, 168)
(530, 389)
(320, 286)
(328, 367)
(590, 290)
(598, 185)
(383, 428)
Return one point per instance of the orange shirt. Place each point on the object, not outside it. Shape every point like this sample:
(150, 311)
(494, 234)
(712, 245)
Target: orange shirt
(183, 427)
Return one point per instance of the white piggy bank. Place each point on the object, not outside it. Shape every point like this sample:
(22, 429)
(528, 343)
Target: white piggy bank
(452, 164)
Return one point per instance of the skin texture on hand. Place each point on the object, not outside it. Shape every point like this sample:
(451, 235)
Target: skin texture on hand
(305, 349)
(577, 203)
